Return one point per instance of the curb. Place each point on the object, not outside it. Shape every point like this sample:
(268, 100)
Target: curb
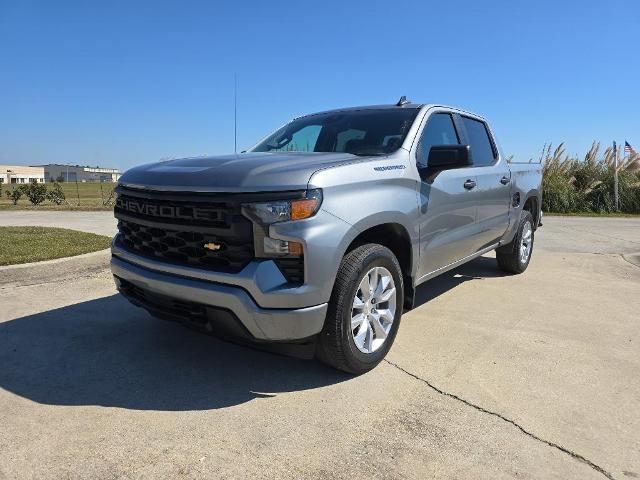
(52, 270)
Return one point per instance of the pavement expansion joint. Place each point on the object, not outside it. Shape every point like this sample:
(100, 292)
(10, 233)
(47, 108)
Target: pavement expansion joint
(564, 450)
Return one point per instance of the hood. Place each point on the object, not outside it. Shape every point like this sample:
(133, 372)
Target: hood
(254, 171)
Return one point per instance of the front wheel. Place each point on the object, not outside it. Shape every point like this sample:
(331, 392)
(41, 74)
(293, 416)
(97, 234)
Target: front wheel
(364, 310)
(515, 256)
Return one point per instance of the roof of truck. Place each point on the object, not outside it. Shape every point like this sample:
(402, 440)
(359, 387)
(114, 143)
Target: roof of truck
(408, 105)
(373, 107)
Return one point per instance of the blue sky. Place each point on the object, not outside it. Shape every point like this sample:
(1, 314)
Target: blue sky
(122, 83)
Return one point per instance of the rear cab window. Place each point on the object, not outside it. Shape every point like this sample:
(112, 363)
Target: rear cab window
(482, 149)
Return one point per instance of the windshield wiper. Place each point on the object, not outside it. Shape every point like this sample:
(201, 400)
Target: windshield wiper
(271, 146)
(367, 154)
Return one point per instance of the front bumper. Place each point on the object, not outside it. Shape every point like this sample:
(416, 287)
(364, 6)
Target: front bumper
(324, 238)
(262, 324)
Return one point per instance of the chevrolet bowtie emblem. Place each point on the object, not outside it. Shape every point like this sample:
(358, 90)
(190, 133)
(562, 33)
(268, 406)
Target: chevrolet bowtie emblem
(212, 246)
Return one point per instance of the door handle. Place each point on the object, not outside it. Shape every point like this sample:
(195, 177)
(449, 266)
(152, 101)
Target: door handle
(504, 180)
(469, 184)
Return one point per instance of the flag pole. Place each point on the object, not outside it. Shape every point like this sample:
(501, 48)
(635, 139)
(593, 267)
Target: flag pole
(615, 175)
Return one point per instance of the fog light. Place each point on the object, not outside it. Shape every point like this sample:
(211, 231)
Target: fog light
(275, 246)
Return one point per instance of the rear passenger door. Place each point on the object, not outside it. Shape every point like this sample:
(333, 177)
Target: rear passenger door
(447, 207)
(493, 189)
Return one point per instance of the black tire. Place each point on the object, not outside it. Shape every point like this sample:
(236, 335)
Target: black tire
(336, 346)
(508, 256)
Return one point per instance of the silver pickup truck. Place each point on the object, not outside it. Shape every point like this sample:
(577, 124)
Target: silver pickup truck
(319, 235)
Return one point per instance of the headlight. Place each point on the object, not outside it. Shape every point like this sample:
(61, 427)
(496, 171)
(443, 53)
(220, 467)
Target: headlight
(284, 210)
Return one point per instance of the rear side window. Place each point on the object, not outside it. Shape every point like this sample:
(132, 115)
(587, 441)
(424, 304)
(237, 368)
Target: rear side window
(481, 146)
(439, 131)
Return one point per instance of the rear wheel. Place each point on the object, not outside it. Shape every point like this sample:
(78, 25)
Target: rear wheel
(364, 310)
(515, 256)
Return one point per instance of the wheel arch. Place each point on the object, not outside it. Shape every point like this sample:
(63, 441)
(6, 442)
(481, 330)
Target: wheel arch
(532, 204)
(395, 237)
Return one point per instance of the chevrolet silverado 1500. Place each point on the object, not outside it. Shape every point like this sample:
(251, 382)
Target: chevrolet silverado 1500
(320, 234)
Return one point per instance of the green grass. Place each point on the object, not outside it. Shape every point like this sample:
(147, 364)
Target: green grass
(34, 244)
(592, 214)
(80, 196)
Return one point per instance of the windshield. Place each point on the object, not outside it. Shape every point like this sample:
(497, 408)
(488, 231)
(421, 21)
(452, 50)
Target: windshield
(360, 132)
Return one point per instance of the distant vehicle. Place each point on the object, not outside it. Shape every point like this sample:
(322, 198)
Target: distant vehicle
(319, 235)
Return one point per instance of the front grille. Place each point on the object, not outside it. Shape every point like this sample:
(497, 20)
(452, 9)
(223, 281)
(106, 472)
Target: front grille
(184, 247)
(175, 229)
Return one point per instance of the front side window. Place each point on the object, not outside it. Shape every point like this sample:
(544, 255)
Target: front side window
(359, 132)
(439, 131)
(481, 147)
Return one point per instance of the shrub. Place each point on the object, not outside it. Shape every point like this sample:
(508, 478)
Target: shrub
(570, 185)
(56, 195)
(15, 194)
(558, 195)
(35, 192)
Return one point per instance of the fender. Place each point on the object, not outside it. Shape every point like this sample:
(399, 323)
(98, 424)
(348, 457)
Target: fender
(516, 214)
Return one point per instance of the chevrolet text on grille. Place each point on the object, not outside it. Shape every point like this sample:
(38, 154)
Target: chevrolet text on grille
(166, 211)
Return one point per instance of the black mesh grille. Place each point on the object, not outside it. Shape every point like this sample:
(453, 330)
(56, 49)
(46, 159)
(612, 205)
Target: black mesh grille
(195, 312)
(205, 234)
(292, 269)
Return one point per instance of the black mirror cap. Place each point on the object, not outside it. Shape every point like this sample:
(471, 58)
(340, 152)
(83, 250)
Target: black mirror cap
(442, 157)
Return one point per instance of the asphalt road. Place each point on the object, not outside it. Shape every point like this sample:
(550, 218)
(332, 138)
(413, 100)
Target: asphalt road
(493, 376)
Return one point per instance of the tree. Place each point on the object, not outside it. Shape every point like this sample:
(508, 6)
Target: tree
(35, 192)
(56, 195)
(15, 194)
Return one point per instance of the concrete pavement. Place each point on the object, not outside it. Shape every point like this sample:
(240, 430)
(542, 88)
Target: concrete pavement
(100, 222)
(493, 376)
(617, 235)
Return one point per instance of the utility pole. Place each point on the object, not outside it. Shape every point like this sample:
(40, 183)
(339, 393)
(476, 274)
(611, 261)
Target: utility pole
(615, 175)
(235, 113)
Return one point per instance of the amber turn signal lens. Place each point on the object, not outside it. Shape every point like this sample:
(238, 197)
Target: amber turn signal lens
(304, 208)
(295, 248)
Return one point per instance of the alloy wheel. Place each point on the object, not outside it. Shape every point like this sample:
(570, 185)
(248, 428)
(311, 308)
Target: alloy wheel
(526, 243)
(373, 310)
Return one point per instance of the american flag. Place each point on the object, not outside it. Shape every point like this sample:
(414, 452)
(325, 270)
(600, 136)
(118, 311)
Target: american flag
(628, 148)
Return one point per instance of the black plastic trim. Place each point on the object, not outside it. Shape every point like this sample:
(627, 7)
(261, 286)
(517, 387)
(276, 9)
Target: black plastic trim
(201, 197)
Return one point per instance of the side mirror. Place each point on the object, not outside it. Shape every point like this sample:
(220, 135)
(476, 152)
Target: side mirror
(445, 157)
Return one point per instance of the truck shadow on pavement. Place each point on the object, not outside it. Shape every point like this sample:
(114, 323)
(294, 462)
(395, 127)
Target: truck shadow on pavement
(477, 269)
(110, 353)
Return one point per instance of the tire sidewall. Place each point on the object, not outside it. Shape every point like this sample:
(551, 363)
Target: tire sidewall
(380, 258)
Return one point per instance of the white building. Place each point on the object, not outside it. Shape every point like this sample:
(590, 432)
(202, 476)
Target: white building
(73, 173)
(21, 174)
